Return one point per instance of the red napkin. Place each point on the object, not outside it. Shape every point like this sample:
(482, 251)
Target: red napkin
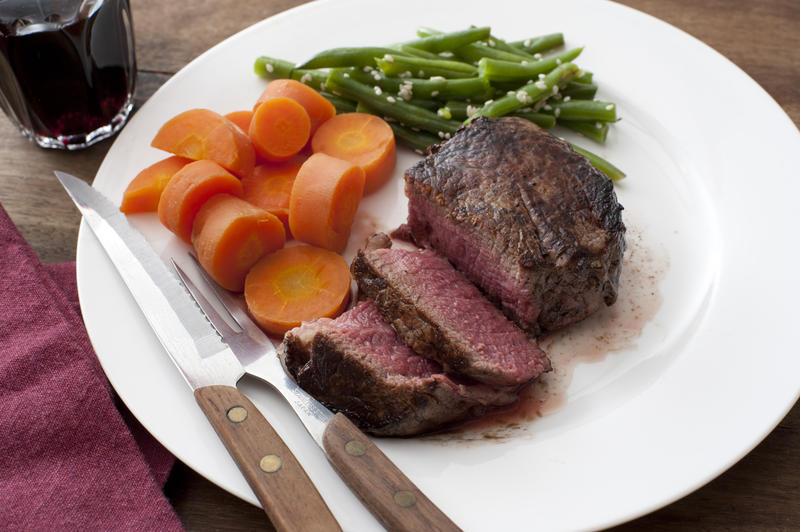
(69, 460)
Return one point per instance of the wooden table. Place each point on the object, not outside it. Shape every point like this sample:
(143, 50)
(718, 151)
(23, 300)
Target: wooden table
(760, 36)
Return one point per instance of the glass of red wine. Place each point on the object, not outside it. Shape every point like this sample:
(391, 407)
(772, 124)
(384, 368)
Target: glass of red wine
(67, 69)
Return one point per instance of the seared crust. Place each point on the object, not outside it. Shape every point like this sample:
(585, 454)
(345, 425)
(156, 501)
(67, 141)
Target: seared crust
(403, 307)
(504, 193)
(343, 377)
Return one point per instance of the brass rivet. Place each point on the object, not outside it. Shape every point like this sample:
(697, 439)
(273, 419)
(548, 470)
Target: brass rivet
(236, 414)
(405, 498)
(355, 448)
(270, 463)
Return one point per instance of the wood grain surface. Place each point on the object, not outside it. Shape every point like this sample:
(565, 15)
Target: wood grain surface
(391, 497)
(278, 479)
(761, 492)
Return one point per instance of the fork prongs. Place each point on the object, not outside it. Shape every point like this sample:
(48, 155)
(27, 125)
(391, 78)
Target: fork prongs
(214, 317)
(228, 300)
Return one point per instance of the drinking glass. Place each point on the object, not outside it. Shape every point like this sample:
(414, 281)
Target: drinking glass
(67, 69)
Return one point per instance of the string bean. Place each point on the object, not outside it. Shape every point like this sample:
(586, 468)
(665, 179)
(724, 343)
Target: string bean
(428, 87)
(345, 57)
(394, 65)
(539, 44)
(529, 93)
(390, 106)
(507, 71)
(436, 41)
(613, 173)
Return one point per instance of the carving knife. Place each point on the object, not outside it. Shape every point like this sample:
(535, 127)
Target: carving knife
(208, 365)
(383, 488)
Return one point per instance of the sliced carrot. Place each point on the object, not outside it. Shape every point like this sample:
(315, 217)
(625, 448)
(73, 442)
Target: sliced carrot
(324, 201)
(270, 187)
(145, 189)
(241, 119)
(204, 134)
(280, 128)
(319, 109)
(188, 190)
(362, 139)
(230, 235)
(296, 284)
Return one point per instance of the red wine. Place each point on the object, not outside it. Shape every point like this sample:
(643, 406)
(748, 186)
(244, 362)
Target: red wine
(66, 74)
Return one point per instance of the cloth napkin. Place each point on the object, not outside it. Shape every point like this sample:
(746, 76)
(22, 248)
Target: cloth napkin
(71, 456)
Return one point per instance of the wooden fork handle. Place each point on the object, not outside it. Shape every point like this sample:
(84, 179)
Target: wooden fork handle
(382, 487)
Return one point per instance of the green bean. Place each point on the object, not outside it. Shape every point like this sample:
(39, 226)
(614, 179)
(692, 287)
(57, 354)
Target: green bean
(458, 110)
(506, 71)
(473, 52)
(587, 110)
(342, 105)
(438, 88)
(417, 52)
(313, 78)
(540, 119)
(500, 44)
(530, 93)
(419, 141)
(271, 68)
(539, 44)
(416, 140)
(345, 57)
(430, 105)
(436, 41)
(461, 111)
(579, 91)
(407, 83)
(613, 173)
(390, 106)
(597, 131)
(421, 67)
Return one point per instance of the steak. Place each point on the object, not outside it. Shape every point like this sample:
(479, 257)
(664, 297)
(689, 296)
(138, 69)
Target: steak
(532, 223)
(439, 314)
(357, 365)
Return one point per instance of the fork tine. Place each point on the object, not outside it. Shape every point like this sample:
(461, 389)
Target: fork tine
(228, 300)
(205, 305)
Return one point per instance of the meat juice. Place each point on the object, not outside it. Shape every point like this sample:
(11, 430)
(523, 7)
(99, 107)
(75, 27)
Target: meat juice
(610, 329)
(67, 68)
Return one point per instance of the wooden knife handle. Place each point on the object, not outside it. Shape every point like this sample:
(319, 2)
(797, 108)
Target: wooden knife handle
(380, 485)
(289, 498)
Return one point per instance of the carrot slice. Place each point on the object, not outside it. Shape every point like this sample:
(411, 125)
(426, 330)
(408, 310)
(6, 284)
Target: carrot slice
(145, 189)
(204, 134)
(188, 190)
(280, 128)
(270, 187)
(230, 235)
(241, 119)
(319, 109)
(362, 139)
(296, 284)
(324, 201)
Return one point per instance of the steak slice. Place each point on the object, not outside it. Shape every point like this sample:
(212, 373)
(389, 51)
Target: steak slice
(357, 365)
(439, 314)
(524, 217)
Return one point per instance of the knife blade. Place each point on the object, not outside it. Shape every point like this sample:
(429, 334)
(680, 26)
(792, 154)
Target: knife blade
(208, 365)
(379, 483)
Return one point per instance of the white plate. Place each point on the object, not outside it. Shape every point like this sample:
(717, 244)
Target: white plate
(711, 192)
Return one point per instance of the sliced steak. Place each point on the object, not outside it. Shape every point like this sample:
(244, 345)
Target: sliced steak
(356, 364)
(524, 217)
(441, 315)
